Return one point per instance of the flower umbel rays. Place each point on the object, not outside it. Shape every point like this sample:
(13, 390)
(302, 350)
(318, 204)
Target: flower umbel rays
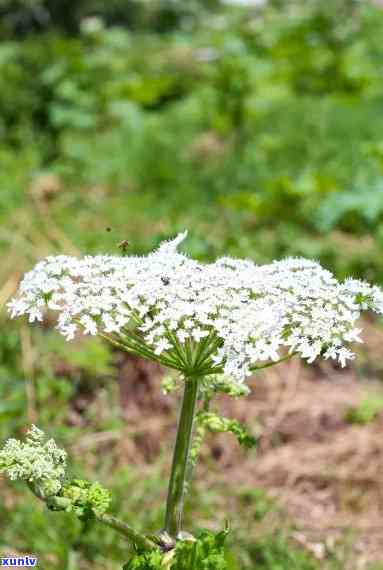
(229, 317)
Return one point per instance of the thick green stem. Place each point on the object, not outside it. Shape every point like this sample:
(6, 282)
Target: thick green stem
(176, 492)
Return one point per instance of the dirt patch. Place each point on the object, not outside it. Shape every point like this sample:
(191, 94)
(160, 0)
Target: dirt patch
(326, 472)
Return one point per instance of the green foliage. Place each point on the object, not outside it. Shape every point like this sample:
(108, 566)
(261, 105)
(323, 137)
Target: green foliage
(23, 17)
(170, 384)
(147, 561)
(275, 553)
(366, 411)
(86, 497)
(208, 117)
(206, 552)
(208, 420)
(221, 384)
(260, 503)
(90, 359)
(218, 424)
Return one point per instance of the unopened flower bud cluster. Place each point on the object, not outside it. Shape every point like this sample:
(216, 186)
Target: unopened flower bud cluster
(86, 496)
(247, 314)
(38, 461)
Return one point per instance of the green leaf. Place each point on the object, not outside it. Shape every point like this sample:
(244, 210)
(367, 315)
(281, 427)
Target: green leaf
(219, 424)
(207, 552)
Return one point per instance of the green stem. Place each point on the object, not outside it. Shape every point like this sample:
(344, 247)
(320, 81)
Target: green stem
(198, 439)
(176, 491)
(133, 536)
(136, 538)
(273, 362)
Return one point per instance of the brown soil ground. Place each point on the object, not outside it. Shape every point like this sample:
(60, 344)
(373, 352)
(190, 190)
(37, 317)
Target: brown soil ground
(326, 472)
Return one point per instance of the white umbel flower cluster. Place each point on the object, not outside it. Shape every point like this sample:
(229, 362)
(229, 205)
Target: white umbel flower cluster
(38, 461)
(229, 316)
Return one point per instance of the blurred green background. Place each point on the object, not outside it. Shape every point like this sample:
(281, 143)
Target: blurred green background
(257, 126)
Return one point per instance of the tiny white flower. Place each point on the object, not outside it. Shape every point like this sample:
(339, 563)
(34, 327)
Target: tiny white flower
(69, 331)
(198, 334)
(353, 335)
(162, 345)
(35, 314)
(344, 354)
(182, 335)
(90, 326)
